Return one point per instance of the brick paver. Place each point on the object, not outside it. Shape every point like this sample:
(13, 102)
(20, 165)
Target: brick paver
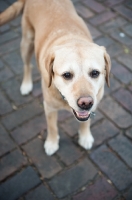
(71, 180)
(112, 25)
(5, 74)
(102, 173)
(125, 98)
(100, 190)
(29, 130)
(14, 61)
(12, 89)
(116, 113)
(128, 194)
(5, 106)
(94, 5)
(114, 85)
(101, 18)
(129, 133)
(6, 142)
(19, 184)
(113, 167)
(47, 166)
(21, 115)
(124, 11)
(126, 60)
(40, 193)
(103, 131)
(11, 163)
(121, 73)
(66, 147)
(123, 147)
(128, 29)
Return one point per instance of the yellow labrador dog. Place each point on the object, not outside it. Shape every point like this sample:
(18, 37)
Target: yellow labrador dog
(73, 68)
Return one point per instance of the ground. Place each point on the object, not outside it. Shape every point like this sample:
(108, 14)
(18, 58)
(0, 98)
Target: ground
(104, 172)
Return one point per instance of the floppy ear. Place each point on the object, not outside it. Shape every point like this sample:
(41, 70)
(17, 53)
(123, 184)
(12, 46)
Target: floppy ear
(107, 67)
(49, 67)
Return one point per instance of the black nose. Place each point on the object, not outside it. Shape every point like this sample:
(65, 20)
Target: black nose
(85, 103)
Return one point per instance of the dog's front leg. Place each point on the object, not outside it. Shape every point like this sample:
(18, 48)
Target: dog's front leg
(52, 141)
(85, 137)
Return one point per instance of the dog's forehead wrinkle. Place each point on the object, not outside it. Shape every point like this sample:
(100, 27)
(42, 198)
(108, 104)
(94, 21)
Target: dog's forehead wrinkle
(80, 53)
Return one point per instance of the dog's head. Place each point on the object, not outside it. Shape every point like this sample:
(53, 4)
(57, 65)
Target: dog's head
(79, 73)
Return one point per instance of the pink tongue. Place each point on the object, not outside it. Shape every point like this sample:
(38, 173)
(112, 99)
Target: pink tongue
(82, 114)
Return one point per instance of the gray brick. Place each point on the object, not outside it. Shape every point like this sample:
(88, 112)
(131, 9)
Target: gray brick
(128, 29)
(10, 46)
(124, 11)
(116, 113)
(8, 36)
(16, 21)
(126, 59)
(15, 62)
(11, 1)
(19, 116)
(129, 133)
(128, 3)
(1, 64)
(66, 147)
(103, 131)
(16, 186)
(124, 97)
(112, 25)
(3, 5)
(123, 147)
(112, 3)
(29, 130)
(128, 194)
(12, 89)
(100, 190)
(5, 74)
(98, 116)
(126, 40)
(130, 88)
(94, 31)
(102, 17)
(46, 165)
(109, 164)
(83, 11)
(37, 91)
(63, 114)
(104, 41)
(6, 143)
(114, 85)
(72, 179)
(70, 126)
(4, 28)
(121, 73)
(40, 193)
(10, 163)
(115, 49)
(5, 106)
(95, 6)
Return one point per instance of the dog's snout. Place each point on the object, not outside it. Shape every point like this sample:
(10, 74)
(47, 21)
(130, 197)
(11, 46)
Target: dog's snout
(85, 103)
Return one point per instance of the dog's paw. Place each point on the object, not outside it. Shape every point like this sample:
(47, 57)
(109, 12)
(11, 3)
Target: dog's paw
(86, 141)
(50, 147)
(26, 88)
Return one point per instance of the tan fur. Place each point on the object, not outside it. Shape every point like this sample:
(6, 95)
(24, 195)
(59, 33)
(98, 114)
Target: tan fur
(62, 43)
(12, 12)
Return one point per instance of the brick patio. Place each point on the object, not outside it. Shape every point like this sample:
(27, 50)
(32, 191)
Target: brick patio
(104, 172)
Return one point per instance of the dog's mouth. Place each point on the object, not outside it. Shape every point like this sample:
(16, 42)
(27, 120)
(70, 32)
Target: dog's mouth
(81, 115)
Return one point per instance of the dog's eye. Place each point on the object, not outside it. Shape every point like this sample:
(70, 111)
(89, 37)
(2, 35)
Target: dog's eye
(67, 75)
(94, 73)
